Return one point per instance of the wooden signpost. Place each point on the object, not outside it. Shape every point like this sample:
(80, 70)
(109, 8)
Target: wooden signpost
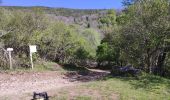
(33, 49)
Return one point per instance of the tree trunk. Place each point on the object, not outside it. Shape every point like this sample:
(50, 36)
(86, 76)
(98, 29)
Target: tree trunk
(160, 63)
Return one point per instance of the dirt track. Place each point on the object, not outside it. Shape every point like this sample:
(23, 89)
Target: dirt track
(21, 85)
(12, 85)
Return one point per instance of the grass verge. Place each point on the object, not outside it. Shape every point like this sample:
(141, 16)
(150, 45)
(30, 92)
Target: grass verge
(147, 87)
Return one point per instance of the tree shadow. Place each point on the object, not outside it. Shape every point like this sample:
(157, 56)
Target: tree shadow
(73, 68)
(83, 74)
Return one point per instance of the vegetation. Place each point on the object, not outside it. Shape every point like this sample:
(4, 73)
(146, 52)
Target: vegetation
(147, 87)
(56, 41)
(136, 36)
(139, 37)
(58, 11)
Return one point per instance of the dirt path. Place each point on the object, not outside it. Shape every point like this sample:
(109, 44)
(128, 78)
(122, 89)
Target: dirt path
(16, 85)
(23, 83)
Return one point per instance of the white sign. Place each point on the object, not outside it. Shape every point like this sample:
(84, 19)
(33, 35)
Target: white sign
(10, 58)
(33, 48)
(10, 49)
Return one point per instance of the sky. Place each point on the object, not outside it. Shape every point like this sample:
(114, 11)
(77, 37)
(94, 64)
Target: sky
(80, 4)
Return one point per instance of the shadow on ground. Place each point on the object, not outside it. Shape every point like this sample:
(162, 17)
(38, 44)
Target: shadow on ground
(84, 74)
(146, 82)
(73, 68)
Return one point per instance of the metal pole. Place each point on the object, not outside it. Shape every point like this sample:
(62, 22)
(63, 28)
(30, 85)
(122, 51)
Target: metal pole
(32, 66)
(10, 60)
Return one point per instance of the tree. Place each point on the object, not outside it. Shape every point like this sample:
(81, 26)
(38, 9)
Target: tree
(109, 19)
(143, 27)
(145, 33)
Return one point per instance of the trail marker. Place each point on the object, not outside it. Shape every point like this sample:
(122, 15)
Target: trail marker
(33, 49)
(10, 58)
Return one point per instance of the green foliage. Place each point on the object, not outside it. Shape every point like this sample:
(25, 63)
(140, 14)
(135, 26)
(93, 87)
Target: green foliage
(81, 54)
(110, 18)
(122, 19)
(56, 41)
(106, 52)
(146, 31)
(93, 39)
(140, 34)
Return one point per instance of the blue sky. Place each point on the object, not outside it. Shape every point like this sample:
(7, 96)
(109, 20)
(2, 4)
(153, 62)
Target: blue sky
(81, 4)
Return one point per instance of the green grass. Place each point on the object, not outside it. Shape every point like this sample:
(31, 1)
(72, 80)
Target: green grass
(38, 67)
(47, 66)
(43, 66)
(147, 87)
(83, 98)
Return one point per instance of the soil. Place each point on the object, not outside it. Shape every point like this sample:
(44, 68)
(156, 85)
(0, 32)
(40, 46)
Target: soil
(21, 85)
(17, 84)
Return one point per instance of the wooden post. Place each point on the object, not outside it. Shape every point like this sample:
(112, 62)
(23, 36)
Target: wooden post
(32, 66)
(10, 60)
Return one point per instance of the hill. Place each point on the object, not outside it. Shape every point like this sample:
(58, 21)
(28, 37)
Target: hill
(83, 17)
